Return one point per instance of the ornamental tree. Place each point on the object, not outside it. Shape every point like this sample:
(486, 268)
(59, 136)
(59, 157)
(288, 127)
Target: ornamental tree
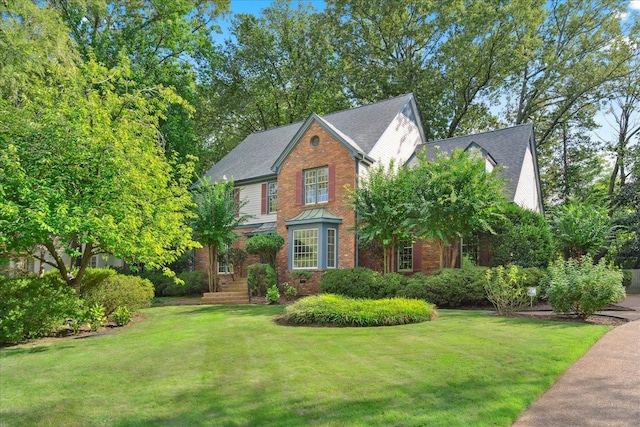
(81, 169)
(381, 202)
(453, 196)
(217, 214)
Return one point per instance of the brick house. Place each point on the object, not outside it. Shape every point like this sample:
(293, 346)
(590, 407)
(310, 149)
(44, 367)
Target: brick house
(293, 179)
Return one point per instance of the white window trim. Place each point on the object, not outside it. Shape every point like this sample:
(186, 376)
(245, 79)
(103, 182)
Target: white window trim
(335, 249)
(315, 186)
(317, 247)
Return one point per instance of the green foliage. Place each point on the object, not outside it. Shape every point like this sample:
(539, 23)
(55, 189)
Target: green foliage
(581, 227)
(33, 307)
(454, 196)
(522, 238)
(193, 283)
(82, 170)
(451, 288)
(260, 277)
(95, 316)
(506, 290)
(280, 67)
(216, 216)
(289, 291)
(362, 282)
(356, 282)
(122, 316)
(273, 295)
(582, 287)
(336, 310)
(237, 257)
(265, 245)
(381, 200)
(118, 290)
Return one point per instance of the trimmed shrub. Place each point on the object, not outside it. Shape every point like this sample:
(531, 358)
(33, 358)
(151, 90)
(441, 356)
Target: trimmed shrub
(260, 277)
(356, 282)
(266, 246)
(273, 295)
(448, 287)
(524, 239)
(506, 289)
(34, 307)
(195, 283)
(118, 290)
(582, 287)
(337, 310)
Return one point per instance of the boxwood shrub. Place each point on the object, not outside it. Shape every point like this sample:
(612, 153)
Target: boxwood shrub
(33, 307)
(356, 282)
(449, 287)
(117, 290)
(337, 310)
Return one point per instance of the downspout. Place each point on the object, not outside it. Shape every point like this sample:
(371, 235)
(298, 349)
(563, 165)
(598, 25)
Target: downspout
(357, 248)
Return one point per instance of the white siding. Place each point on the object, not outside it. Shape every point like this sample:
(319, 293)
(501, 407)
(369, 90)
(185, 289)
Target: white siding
(398, 141)
(252, 194)
(527, 191)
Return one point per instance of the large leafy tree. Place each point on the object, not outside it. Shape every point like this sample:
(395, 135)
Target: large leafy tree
(454, 55)
(580, 48)
(217, 214)
(454, 196)
(381, 202)
(275, 70)
(82, 172)
(166, 43)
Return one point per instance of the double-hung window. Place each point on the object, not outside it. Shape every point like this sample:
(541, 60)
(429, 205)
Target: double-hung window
(331, 248)
(316, 185)
(272, 197)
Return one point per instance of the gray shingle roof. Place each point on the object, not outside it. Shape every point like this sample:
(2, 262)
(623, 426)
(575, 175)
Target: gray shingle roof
(254, 156)
(506, 146)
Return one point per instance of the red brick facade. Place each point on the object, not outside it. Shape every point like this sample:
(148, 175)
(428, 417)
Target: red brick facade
(328, 152)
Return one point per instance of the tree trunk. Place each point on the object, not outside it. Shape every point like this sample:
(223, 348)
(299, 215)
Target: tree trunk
(212, 263)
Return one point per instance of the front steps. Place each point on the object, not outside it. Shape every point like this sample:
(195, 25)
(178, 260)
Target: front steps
(235, 293)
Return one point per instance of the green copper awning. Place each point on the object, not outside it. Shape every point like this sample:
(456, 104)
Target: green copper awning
(315, 215)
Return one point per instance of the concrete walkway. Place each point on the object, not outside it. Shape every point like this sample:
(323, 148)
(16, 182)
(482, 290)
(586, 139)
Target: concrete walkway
(602, 388)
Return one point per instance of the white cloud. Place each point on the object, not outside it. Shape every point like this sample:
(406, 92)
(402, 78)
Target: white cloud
(634, 4)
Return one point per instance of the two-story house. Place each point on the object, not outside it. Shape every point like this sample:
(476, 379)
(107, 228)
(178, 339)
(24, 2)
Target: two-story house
(294, 178)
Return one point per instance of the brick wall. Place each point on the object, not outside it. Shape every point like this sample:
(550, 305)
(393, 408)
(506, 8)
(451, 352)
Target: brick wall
(305, 156)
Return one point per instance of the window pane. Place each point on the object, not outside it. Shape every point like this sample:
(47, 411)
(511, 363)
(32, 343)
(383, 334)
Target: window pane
(310, 186)
(272, 204)
(316, 185)
(305, 248)
(331, 248)
(323, 185)
(405, 255)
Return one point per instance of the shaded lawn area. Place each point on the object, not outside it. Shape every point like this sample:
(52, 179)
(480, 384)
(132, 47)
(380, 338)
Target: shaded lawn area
(232, 366)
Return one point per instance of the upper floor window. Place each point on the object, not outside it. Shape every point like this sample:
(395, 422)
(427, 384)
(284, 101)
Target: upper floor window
(272, 197)
(316, 185)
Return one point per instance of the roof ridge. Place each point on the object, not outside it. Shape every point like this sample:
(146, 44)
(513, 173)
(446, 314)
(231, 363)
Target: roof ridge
(471, 135)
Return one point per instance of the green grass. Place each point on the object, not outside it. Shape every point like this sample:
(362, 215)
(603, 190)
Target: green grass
(232, 366)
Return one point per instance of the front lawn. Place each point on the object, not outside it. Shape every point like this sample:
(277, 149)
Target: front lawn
(228, 366)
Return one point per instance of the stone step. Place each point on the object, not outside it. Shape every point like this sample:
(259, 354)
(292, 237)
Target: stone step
(227, 298)
(233, 287)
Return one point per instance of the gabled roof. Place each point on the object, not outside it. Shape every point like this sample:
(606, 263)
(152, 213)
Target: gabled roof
(339, 136)
(507, 147)
(361, 127)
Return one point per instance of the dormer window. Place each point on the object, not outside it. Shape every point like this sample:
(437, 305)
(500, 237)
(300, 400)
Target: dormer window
(316, 185)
